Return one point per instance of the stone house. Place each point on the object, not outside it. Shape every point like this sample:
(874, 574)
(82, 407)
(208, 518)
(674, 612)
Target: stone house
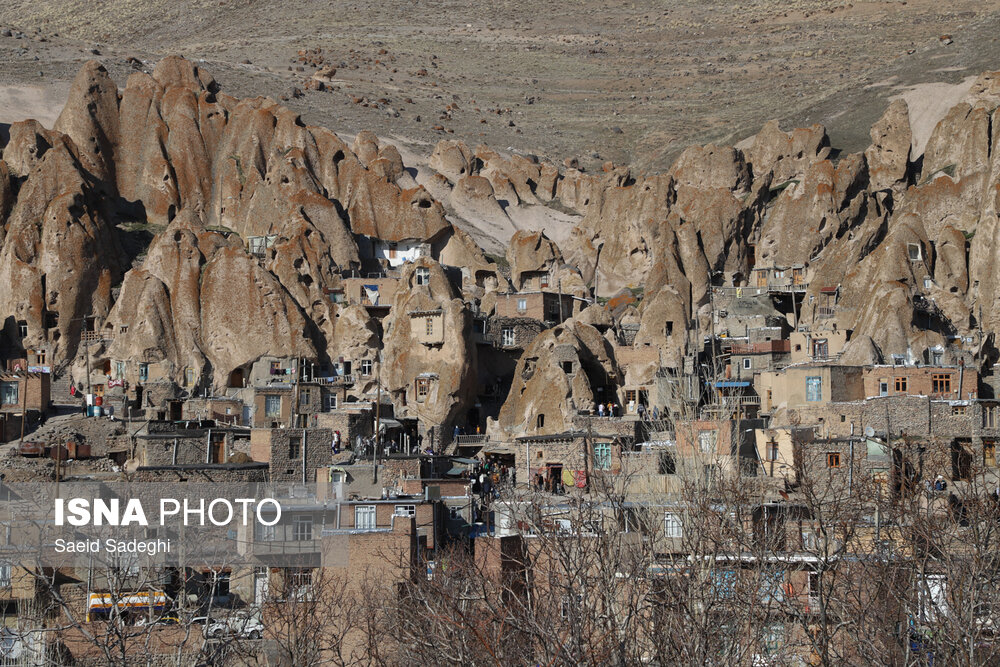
(294, 454)
(567, 457)
(164, 443)
(541, 305)
(945, 382)
(817, 345)
(802, 386)
(510, 333)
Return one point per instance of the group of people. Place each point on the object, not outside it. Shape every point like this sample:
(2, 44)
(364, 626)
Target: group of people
(488, 477)
(614, 410)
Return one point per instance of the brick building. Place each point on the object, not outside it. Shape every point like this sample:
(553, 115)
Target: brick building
(542, 306)
(946, 382)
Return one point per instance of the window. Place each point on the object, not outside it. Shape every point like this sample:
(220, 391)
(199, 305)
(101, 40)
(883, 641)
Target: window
(507, 336)
(883, 387)
(331, 401)
(272, 406)
(569, 603)
(814, 388)
(928, 283)
(772, 451)
(667, 465)
(814, 588)
(188, 377)
(294, 446)
(990, 453)
(276, 368)
(263, 533)
(22, 329)
(423, 386)
(898, 360)
(959, 410)
(119, 370)
(746, 363)
(305, 397)
(833, 459)
(4, 575)
(302, 528)
(672, 526)
(143, 372)
(707, 441)
(364, 517)
(567, 367)
(423, 275)
(900, 385)
(429, 326)
(366, 366)
(941, 383)
(300, 581)
(990, 416)
(937, 358)
(522, 305)
(540, 421)
(723, 583)
(8, 393)
(669, 329)
(406, 510)
(602, 455)
(543, 280)
(913, 250)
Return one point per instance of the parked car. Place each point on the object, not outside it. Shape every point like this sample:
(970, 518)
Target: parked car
(246, 626)
(212, 628)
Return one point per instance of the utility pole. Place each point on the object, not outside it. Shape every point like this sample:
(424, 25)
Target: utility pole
(24, 409)
(378, 413)
(559, 288)
(588, 446)
(86, 347)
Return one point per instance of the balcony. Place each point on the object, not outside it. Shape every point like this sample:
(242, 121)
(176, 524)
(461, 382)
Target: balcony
(767, 347)
(825, 312)
(96, 337)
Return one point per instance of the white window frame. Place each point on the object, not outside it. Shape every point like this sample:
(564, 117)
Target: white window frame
(673, 527)
(302, 528)
(366, 366)
(746, 363)
(405, 511)
(507, 336)
(365, 517)
(331, 401)
(422, 275)
(522, 305)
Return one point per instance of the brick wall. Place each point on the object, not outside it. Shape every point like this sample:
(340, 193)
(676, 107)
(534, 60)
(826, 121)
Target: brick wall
(314, 445)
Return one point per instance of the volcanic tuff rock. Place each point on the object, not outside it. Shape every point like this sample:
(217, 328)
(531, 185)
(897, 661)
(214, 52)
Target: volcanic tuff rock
(559, 374)
(447, 359)
(140, 205)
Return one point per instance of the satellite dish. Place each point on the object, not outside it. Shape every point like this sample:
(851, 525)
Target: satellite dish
(869, 431)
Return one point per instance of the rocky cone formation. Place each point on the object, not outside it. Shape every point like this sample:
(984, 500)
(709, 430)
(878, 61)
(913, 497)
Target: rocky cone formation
(204, 232)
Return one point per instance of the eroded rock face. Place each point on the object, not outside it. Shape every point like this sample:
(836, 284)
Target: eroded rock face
(785, 155)
(173, 151)
(430, 361)
(888, 157)
(559, 374)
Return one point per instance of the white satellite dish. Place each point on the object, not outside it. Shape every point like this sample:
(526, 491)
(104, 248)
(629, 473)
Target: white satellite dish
(869, 431)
